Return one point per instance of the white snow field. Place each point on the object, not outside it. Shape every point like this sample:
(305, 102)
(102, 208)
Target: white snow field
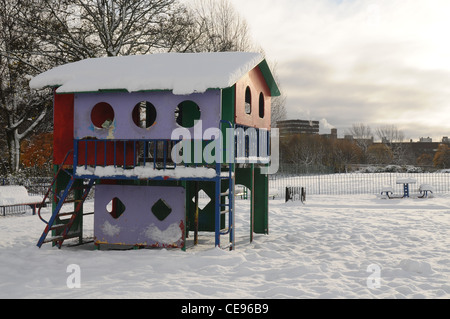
(358, 246)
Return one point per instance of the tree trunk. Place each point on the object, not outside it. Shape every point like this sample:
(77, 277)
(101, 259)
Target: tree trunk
(14, 150)
(14, 137)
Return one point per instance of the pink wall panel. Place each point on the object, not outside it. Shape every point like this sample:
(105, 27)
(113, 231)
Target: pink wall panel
(255, 81)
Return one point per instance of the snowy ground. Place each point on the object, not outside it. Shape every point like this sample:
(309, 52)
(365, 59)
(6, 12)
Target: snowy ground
(332, 247)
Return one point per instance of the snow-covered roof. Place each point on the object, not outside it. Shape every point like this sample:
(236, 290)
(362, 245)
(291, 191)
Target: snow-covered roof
(182, 73)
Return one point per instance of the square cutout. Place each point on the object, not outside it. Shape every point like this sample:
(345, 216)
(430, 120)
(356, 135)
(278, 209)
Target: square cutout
(161, 210)
(203, 199)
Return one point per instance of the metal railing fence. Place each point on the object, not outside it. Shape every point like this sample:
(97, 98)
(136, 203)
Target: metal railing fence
(358, 183)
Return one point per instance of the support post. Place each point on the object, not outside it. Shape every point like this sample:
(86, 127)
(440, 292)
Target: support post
(252, 202)
(196, 215)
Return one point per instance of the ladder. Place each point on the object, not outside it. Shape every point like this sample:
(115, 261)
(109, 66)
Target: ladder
(224, 201)
(63, 227)
(224, 207)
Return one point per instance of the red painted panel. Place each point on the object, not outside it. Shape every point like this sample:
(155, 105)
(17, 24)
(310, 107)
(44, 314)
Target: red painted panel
(255, 81)
(99, 158)
(63, 105)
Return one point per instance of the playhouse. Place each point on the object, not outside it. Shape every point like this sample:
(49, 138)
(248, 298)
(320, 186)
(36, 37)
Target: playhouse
(151, 132)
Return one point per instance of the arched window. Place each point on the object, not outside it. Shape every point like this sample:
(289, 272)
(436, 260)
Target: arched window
(261, 105)
(248, 101)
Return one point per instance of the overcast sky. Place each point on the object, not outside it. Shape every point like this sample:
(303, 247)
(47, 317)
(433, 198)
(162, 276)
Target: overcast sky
(375, 62)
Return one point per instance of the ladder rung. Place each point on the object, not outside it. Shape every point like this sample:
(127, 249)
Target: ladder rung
(225, 231)
(223, 212)
(51, 239)
(225, 194)
(57, 238)
(66, 214)
(54, 227)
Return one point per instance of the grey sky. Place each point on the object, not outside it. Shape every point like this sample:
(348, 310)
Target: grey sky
(359, 61)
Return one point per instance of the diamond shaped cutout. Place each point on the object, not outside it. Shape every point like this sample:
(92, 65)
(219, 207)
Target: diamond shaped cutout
(161, 210)
(115, 208)
(203, 199)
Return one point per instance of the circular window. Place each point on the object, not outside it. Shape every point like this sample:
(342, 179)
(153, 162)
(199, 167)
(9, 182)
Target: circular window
(144, 114)
(102, 115)
(186, 113)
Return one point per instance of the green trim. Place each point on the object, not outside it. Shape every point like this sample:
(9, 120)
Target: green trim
(228, 100)
(264, 67)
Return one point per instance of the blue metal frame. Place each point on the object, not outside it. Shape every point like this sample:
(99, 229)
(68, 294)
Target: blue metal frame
(150, 151)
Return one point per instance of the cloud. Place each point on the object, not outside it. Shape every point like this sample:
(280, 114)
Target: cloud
(325, 127)
(366, 61)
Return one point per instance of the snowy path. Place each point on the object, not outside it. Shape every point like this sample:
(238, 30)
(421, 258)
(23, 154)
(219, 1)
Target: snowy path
(322, 249)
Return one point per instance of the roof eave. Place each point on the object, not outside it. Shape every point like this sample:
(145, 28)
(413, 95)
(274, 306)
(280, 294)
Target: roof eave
(270, 80)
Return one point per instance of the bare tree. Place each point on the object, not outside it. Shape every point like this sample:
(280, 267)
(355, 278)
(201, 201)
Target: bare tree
(344, 153)
(363, 136)
(360, 131)
(20, 109)
(278, 112)
(390, 134)
(71, 30)
(303, 149)
(220, 28)
(393, 137)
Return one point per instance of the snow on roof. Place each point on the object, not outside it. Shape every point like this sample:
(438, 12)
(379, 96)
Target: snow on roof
(182, 73)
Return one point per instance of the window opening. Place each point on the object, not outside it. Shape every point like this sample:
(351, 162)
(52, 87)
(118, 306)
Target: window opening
(102, 115)
(186, 113)
(261, 105)
(144, 114)
(248, 101)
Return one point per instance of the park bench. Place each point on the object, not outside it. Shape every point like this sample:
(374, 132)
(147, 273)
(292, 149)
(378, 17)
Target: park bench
(243, 193)
(387, 191)
(424, 189)
(295, 194)
(16, 199)
(273, 192)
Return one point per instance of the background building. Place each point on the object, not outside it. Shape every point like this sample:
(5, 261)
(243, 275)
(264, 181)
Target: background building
(290, 127)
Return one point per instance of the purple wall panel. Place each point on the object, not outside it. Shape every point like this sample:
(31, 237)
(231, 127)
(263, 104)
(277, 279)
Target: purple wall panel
(138, 225)
(123, 104)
